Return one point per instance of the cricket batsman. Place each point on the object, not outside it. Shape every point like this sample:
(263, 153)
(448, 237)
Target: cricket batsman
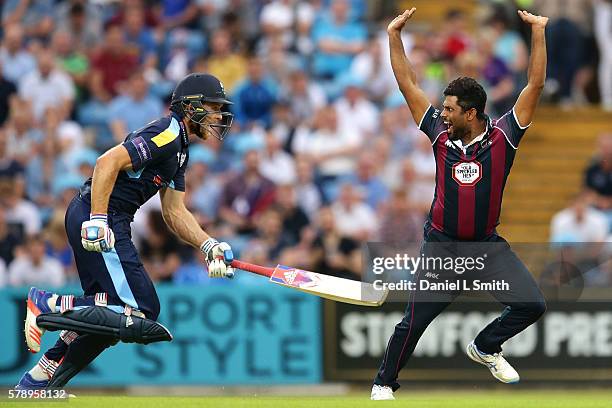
(118, 293)
(473, 156)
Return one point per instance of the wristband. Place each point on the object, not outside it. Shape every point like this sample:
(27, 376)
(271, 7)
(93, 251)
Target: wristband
(98, 217)
(208, 245)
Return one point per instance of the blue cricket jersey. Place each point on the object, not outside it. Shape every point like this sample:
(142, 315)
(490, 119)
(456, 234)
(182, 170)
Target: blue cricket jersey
(159, 154)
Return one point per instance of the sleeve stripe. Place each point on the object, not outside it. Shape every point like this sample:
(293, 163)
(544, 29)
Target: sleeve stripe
(517, 122)
(167, 135)
(506, 136)
(424, 114)
(437, 137)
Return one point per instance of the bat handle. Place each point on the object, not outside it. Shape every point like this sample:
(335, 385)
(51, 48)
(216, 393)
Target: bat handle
(249, 267)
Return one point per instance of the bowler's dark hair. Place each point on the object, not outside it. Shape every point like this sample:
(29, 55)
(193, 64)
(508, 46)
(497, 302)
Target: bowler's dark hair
(469, 93)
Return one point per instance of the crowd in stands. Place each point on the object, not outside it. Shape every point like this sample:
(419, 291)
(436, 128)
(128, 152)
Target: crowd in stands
(583, 230)
(323, 154)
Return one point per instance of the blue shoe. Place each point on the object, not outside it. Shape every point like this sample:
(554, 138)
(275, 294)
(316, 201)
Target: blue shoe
(28, 383)
(37, 303)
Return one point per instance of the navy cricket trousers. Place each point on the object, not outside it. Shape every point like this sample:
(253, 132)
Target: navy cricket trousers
(119, 273)
(524, 303)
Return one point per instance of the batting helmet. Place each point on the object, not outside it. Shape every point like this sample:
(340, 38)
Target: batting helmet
(192, 93)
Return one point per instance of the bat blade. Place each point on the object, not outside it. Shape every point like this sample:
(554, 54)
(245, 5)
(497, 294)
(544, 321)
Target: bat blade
(329, 287)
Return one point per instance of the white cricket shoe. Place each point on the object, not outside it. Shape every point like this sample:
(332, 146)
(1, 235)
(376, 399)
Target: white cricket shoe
(497, 364)
(381, 393)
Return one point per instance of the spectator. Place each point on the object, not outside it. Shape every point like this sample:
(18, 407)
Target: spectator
(57, 245)
(337, 41)
(427, 72)
(255, 97)
(303, 96)
(16, 60)
(203, 187)
(400, 223)
(47, 87)
(19, 211)
(3, 274)
(424, 163)
(135, 108)
(71, 61)
(306, 13)
(419, 185)
(10, 239)
(509, 47)
(279, 62)
(598, 177)
(246, 195)
(283, 124)
(224, 62)
(10, 169)
(212, 14)
(175, 14)
(455, 35)
(36, 16)
(270, 236)
(579, 223)
(370, 68)
(277, 20)
(366, 179)
(140, 36)
(294, 219)
(357, 114)
(603, 35)
(329, 146)
(8, 91)
(496, 75)
(23, 138)
(112, 64)
(333, 252)
(160, 250)
(308, 194)
(83, 20)
(34, 268)
(565, 36)
(276, 164)
(353, 217)
(41, 172)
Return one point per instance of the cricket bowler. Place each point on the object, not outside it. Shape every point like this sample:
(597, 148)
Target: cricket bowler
(118, 293)
(473, 157)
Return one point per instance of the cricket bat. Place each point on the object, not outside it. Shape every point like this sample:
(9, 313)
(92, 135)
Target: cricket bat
(325, 286)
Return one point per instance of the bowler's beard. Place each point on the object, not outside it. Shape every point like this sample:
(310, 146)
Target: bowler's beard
(458, 133)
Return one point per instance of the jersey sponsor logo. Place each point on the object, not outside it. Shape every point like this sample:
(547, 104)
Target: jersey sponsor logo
(436, 113)
(142, 148)
(467, 173)
(157, 180)
(180, 157)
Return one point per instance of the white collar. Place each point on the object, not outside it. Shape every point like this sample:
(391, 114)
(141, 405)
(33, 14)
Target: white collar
(475, 140)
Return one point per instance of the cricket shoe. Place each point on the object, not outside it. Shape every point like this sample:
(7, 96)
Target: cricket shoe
(381, 393)
(37, 303)
(497, 364)
(28, 383)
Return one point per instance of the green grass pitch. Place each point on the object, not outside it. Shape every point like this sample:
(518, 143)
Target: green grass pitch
(499, 399)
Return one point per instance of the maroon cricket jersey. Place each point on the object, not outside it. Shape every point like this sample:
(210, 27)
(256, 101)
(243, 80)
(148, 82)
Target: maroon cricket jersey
(470, 182)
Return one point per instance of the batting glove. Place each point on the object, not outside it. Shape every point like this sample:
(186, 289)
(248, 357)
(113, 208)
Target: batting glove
(96, 235)
(219, 256)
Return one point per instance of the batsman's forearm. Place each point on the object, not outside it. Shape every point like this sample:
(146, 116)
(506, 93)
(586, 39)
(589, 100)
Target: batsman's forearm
(404, 74)
(102, 183)
(537, 62)
(184, 225)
